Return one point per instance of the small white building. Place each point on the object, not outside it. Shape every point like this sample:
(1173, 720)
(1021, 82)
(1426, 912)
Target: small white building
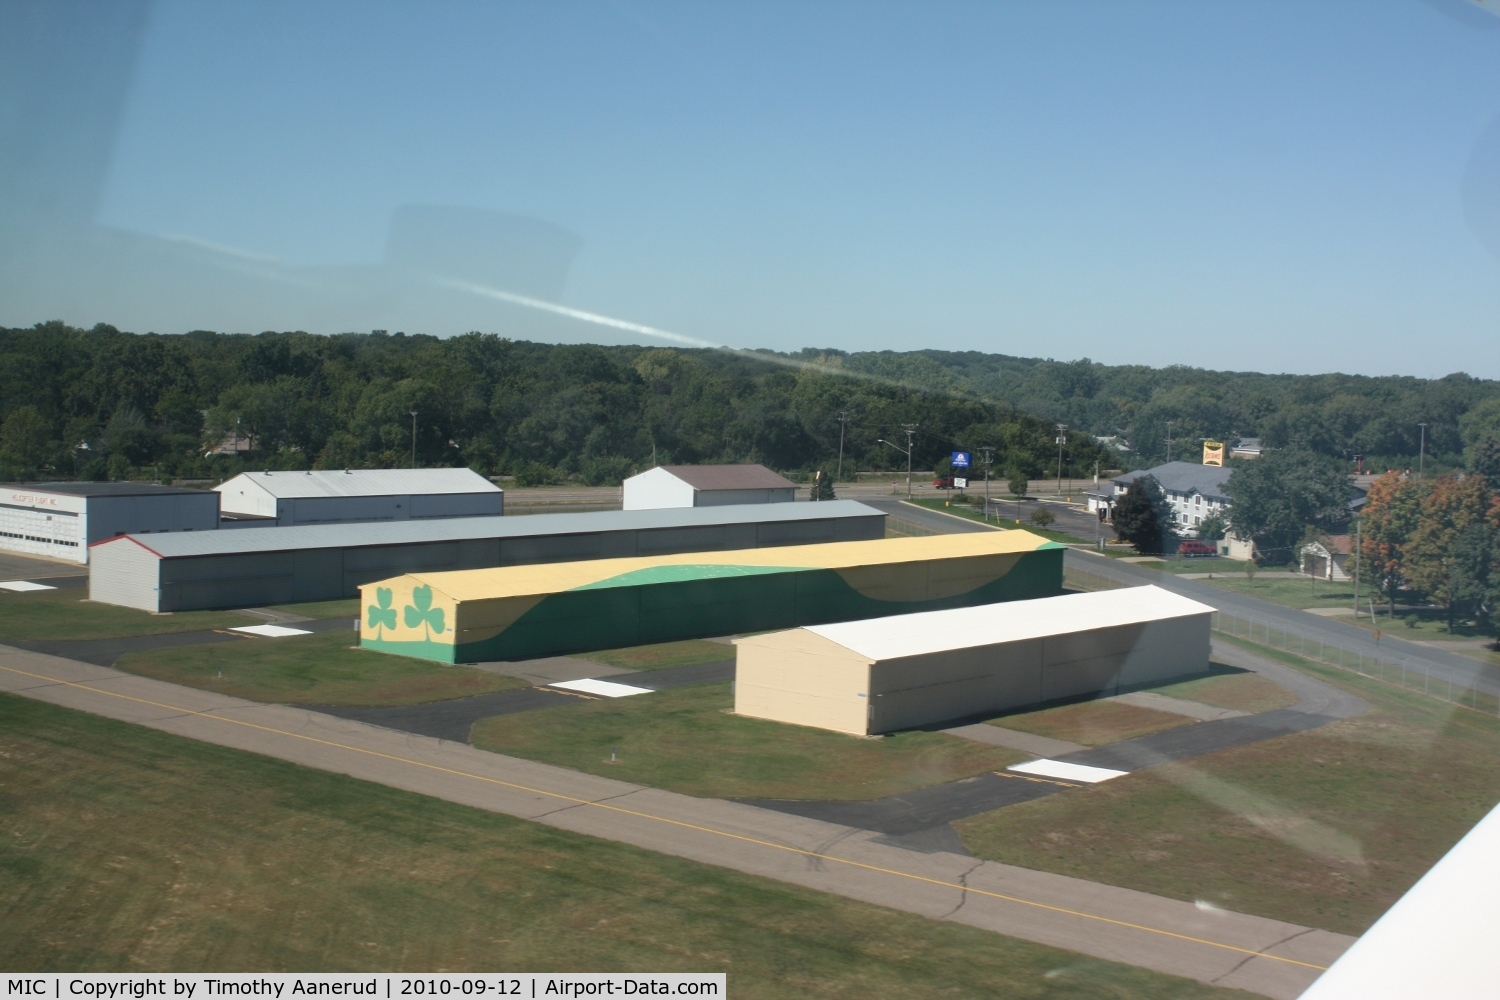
(885, 674)
(1328, 558)
(706, 486)
(285, 499)
(61, 520)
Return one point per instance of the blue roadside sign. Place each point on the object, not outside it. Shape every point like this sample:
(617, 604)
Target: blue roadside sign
(961, 460)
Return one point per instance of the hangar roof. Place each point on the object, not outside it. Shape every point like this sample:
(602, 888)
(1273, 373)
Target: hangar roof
(456, 529)
(550, 578)
(729, 477)
(362, 483)
(988, 624)
(102, 489)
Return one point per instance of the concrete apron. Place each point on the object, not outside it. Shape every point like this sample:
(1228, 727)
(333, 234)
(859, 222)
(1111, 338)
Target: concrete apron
(1269, 957)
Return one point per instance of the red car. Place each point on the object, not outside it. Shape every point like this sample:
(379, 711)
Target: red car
(1192, 548)
(943, 482)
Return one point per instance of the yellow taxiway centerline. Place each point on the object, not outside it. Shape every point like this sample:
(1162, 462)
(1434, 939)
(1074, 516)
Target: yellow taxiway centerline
(674, 822)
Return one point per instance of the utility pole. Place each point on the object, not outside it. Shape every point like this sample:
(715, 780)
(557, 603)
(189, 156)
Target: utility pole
(1062, 439)
(1098, 521)
(1169, 440)
(986, 455)
(1356, 569)
(910, 430)
(843, 419)
(413, 439)
(1422, 453)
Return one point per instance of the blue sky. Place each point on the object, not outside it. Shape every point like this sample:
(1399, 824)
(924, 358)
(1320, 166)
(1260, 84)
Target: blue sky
(1282, 186)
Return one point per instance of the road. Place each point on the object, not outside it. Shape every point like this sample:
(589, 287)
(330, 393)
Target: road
(1441, 664)
(1269, 957)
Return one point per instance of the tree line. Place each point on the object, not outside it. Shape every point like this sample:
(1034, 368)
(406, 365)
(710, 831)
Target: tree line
(1437, 539)
(102, 404)
(1335, 415)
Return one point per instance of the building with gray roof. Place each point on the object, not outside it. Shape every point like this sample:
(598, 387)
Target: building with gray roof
(220, 569)
(706, 486)
(61, 520)
(1196, 492)
(281, 498)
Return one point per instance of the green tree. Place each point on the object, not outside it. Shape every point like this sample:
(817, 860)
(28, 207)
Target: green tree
(536, 474)
(1144, 518)
(1439, 561)
(1474, 568)
(1213, 528)
(127, 437)
(1278, 499)
(1392, 511)
(1041, 517)
(26, 439)
(822, 486)
(1484, 460)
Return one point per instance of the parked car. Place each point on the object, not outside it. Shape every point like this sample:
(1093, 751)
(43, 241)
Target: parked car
(1192, 548)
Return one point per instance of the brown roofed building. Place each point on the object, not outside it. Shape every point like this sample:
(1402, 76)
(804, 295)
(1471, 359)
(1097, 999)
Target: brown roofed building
(706, 486)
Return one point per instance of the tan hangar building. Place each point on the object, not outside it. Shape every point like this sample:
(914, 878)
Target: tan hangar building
(884, 674)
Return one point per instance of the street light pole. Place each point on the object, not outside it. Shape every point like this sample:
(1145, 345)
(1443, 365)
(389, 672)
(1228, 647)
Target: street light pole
(1422, 452)
(905, 451)
(986, 452)
(843, 418)
(413, 439)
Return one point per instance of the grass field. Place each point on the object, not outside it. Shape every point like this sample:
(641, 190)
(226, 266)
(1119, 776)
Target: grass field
(663, 654)
(1209, 564)
(1325, 828)
(127, 849)
(66, 614)
(1307, 592)
(1237, 689)
(687, 741)
(343, 608)
(317, 669)
(972, 514)
(1092, 723)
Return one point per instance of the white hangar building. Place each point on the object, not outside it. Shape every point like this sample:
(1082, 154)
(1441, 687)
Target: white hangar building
(285, 499)
(238, 569)
(706, 486)
(884, 674)
(61, 520)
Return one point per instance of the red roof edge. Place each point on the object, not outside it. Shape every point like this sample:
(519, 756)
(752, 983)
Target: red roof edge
(128, 538)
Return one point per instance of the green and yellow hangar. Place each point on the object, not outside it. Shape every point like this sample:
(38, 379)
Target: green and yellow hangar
(520, 612)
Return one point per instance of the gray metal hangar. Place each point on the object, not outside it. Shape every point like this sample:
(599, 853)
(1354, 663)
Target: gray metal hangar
(220, 569)
(61, 520)
(284, 499)
(884, 674)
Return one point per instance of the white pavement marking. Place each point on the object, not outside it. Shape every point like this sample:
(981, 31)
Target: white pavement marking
(1270, 957)
(604, 689)
(1068, 772)
(271, 631)
(22, 586)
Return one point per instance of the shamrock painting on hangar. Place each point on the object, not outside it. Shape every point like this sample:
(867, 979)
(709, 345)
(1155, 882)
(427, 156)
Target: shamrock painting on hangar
(517, 612)
(380, 617)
